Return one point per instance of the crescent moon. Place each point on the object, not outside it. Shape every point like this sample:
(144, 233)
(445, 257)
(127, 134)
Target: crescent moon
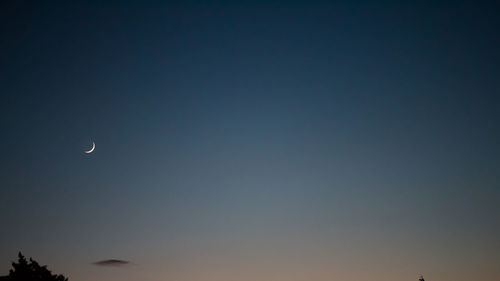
(92, 149)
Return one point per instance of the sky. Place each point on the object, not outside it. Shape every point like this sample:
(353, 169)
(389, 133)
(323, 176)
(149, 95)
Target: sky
(280, 140)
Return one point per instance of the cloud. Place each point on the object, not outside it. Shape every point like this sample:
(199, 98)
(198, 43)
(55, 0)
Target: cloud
(111, 262)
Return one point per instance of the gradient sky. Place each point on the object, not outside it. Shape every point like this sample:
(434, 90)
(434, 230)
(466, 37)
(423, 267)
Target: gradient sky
(274, 141)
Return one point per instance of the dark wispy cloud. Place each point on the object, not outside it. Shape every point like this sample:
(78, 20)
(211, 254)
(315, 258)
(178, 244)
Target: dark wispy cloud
(111, 262)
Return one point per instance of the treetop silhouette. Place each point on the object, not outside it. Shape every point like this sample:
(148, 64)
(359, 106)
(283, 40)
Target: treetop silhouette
(30, 270)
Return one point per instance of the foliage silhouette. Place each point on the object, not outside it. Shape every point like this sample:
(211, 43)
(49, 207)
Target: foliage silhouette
(31, 271)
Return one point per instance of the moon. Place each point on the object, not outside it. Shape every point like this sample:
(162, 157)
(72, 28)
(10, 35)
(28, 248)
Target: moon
(92, 149)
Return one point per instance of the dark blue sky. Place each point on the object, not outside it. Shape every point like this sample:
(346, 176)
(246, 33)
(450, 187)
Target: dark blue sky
(271, 141)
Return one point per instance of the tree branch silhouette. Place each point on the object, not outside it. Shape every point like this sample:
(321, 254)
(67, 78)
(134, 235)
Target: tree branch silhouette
(25, 270)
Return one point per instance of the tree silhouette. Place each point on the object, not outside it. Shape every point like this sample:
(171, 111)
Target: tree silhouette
(31, 271)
